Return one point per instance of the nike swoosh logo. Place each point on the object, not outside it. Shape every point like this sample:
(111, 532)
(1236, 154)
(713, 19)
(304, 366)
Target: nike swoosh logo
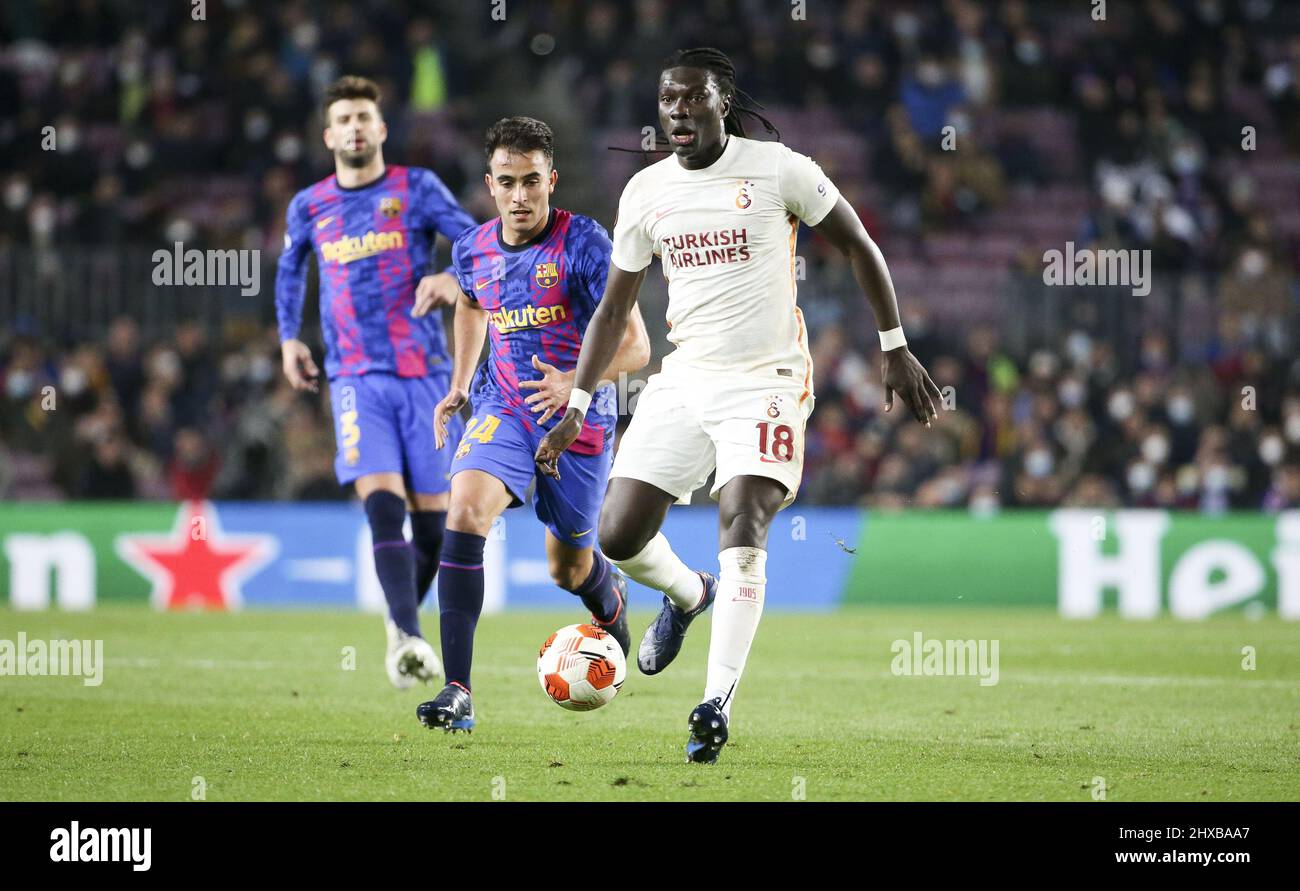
(323, 223)
(659, 213)
(578, 534)
(478, 286)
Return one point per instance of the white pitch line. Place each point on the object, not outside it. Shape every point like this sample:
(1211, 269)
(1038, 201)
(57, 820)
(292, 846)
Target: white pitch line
(1005, 677)
(199, 663)
(1147, 681)
(233, 663)
(133, 663)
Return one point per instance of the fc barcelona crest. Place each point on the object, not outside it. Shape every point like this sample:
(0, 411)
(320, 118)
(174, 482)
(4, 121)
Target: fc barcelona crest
(547, 274)
(390, 207)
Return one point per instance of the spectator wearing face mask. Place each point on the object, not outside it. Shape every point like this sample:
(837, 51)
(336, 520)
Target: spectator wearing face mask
(28, 399)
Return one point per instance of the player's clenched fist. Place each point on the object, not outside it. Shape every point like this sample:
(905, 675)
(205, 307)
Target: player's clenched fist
(554, 443)
(450, 404)
(552, 390)
(435, 290)
(299, 367)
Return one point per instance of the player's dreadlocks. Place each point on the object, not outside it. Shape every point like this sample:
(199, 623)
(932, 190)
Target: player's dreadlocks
(742, 103)
(724, 72)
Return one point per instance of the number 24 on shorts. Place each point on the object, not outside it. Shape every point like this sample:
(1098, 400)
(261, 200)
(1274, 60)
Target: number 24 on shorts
(476, 430)
(776, 441)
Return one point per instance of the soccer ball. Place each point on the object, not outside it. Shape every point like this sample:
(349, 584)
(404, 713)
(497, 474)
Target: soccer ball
(581, 667)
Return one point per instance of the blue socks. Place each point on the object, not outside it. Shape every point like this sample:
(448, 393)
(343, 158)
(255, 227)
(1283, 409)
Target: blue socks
(406, 569)
(427, 531)
(460, 601)
(597, 592)
(394, 562)
(460, 597)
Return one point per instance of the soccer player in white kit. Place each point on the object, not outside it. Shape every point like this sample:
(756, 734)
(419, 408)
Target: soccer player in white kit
(722, 213)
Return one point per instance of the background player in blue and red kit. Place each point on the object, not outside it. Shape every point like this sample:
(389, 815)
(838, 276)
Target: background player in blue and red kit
(373, 228)
(532, 279)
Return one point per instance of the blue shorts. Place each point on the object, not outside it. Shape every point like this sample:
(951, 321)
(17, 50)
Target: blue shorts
(498, 442)
(384, 424)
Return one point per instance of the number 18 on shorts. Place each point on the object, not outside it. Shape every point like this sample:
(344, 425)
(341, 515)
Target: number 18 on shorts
(744, 426)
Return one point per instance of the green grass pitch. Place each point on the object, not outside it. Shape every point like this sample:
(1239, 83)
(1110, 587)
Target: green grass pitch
(259, 706)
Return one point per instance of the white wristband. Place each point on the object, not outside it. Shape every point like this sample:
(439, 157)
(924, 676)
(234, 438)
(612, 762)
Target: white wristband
(580, 399)
(892, 339)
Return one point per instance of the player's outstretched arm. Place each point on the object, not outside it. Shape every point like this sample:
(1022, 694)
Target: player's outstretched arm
(600, 343)
(902, 372)
(469, 330)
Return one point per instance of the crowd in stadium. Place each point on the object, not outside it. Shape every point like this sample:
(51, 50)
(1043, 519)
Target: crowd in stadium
(1060, 426)
(159, 128)
(180, 418)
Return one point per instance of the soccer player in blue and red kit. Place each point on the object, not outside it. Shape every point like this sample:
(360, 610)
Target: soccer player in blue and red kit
(372, 228)
(532, 280)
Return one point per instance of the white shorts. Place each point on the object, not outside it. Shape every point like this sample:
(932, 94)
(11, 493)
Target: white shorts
(686, 424)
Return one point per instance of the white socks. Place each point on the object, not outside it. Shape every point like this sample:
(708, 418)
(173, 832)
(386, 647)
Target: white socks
(739, 606)
(659, 568)
(742, 588)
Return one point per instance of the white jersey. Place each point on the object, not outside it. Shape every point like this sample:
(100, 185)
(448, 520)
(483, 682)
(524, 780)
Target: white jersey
(725, 235)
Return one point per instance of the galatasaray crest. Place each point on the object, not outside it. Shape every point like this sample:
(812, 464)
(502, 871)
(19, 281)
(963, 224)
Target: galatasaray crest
(547, 274)
(390, 207)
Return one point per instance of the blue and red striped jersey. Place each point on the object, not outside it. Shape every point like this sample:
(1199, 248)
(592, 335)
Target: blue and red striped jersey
(539, 296)
(373, 244)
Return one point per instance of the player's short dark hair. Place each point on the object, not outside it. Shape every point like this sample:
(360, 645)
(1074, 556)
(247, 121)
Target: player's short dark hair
(520, 134)
(349, 86)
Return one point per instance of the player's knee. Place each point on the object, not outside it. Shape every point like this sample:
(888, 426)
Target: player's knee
(470, 518)
(746, 528)
(386, 513)
(619, 540)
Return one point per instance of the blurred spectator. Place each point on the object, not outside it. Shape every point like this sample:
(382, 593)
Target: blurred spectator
(1124, 134)
(194, 465)
(108, 475)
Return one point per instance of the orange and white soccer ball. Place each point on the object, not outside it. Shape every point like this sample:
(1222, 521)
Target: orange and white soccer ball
(581, 667)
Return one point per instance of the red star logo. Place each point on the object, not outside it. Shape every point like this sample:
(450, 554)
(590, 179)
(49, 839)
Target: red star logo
(197, 565)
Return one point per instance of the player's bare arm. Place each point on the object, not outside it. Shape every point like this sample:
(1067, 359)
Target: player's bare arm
(554, 386)
(469, 330)
(902, 373)
(432, 291)
(599, 346)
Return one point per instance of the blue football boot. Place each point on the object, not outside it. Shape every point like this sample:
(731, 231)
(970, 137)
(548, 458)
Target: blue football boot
(708, 726)
(663, 639)
(450, 710)
(617, 626)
